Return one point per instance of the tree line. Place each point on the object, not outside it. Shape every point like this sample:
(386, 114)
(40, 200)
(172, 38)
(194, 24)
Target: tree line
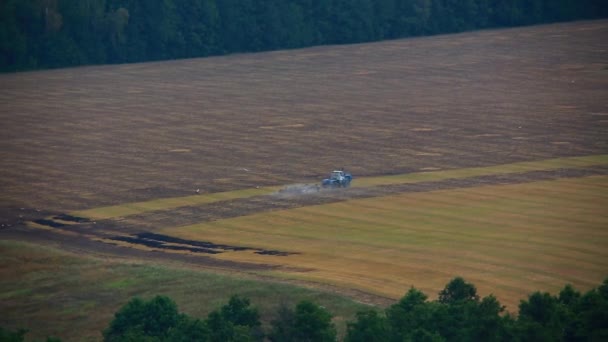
(38, 34)
(458, 314)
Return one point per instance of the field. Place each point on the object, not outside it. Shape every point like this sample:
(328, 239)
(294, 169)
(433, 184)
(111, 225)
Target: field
(386, 244)
(53, 292)
(480, 154)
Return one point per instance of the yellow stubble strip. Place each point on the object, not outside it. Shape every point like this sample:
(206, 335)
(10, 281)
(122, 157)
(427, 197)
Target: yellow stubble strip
(547, 165)
(135, 208)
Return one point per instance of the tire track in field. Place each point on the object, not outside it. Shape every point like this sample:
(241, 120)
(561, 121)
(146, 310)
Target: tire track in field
(182, 216)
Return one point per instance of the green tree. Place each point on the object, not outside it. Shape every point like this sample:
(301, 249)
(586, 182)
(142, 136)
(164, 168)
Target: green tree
(458, 315)
(239, 311)
(198, 28)
(313, 323)
(12, 336)
(84, 24)
(14, 51)
(221, 329)
(235, 321)
(423, 335)
(412, 18)
(189, 329)
(240, 29)
(56, 33)
(488, 322)
(384, 18)
(458, 290)
(590, 315)
(283, 325)
(542, 318)
(140, 319)
(369, 326)
(410, 313)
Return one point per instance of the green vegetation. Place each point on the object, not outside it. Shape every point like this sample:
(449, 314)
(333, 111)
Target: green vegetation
(12, 336)
(159, 320)
(168, 203)
(19, 336)
(156, 319)
(73, 296)
(57, 33)
(308, 322)
(458, 315)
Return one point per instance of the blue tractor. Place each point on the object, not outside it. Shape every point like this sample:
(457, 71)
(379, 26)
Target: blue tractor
(338, 179)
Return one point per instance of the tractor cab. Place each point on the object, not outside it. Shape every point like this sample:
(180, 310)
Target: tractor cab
(337, 179)
(337, 175)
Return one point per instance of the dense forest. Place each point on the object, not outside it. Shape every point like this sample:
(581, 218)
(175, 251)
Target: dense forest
(458, 314)
(37, 34)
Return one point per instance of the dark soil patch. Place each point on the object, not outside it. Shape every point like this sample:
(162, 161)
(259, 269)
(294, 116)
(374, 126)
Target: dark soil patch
(162, 245)
(202, 244)
(49, 223)
(80, 244)
(70, 218)
(16, 216)
(276, 253)
(172, 243)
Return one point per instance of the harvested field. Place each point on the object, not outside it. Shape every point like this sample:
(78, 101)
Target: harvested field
(509, 240)
(472, 153)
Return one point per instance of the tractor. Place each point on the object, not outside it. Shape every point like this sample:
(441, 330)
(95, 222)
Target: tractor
(338, 179)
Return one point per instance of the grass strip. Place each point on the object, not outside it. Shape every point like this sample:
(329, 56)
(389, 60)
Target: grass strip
(542, 165)
(128, 209)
